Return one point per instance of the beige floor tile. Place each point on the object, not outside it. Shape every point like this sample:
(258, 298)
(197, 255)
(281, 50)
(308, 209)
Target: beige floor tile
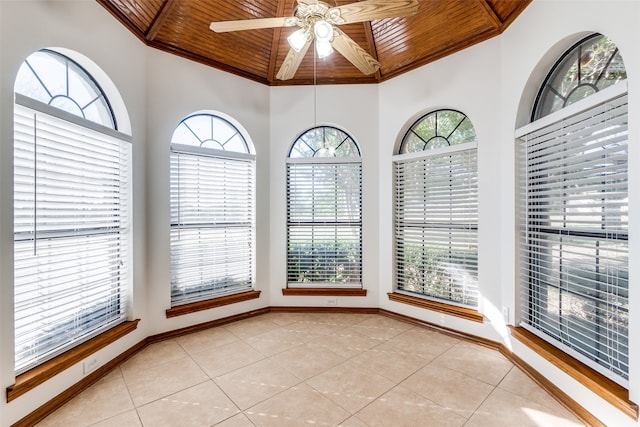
(250, 327)
(353, 422)
(206, 340)
(297, 406)
(346, 319)
(476, 363)
(503, 408)
(395, 366)
(97, 403)
(163, 380)
(154, 355)
(278, 340)
(283, 318)
(350, 385)
(257, 382)
(381, 327)
(401, 407)
(427, 345)
(449, 389)
(127, 419)
(307, 360)
(346, 342)
(313, 327)
(239, 420)
(227, 358)
(517, 382)
(201, 405)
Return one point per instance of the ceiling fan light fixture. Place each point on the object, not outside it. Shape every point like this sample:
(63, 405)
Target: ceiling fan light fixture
(323, 49)
(298, 39)
(323, 31)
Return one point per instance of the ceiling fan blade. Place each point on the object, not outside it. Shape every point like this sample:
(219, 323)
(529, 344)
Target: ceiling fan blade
(253, 24)
(376, 9)
(354, 53)
(292, 62)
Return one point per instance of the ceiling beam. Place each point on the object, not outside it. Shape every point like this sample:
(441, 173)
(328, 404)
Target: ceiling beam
(159, 20)
(275, 43)
(491, 15)
(368, 31)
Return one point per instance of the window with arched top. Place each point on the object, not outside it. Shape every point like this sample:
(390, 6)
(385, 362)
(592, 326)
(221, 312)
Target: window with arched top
(72, 208)
(324, 210)
(435, 209)
(592, 64)
(573, 213)
(56, 80)
(212, 201)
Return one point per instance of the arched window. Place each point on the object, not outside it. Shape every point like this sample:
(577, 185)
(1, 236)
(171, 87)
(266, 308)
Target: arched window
(593, 64)
(573, 209)
(324, 210)
(71, 209)
(212, 209)
(435, 209)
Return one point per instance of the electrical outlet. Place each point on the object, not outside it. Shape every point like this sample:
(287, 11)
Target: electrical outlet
(90, 365)
(505, 313)
(332, 301)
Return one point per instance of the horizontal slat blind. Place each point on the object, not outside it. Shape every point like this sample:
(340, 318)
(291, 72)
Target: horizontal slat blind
(324, 219)
(436, 225)
(212, 226)
(71, 234)
(573, 233)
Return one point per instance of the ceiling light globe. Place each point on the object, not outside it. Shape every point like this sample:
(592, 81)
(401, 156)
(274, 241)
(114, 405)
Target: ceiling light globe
(323, 31)
(297, 40)
(323, 49)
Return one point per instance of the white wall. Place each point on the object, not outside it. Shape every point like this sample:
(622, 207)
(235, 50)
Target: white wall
(492, 83)
(175, 89)
(354, 110)
(528, 48)
(83, 27)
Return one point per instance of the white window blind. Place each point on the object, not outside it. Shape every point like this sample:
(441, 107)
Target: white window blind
(574, 230)
(324, 222)
(212, 223)
(436, 223)
(71, 230)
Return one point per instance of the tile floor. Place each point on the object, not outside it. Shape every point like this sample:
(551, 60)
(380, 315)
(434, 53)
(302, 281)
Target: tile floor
(314, 369)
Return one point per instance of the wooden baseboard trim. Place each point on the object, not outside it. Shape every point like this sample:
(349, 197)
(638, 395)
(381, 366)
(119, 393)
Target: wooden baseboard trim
(608, 390)
(206, 325)
(41, 373)
(448, 331)
(328, 292)
(291, 309)
(55, 403)
(193, 307)
(452, 310)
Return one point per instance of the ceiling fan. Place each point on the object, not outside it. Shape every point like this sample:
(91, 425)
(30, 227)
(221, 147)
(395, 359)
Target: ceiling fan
(318, 21)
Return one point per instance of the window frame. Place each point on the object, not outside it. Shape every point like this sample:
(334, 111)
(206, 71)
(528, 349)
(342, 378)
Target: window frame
(315, 162)
(72, 125)
(406, 157)
(236, 165)
(585, 106)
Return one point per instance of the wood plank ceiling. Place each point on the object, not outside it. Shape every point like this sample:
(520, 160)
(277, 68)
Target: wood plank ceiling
(440, 28)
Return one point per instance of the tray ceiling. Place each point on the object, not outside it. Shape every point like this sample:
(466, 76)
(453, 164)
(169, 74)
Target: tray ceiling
(440, 28)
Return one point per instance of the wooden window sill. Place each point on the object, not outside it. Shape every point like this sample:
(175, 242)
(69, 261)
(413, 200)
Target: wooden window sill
(41, 373)
(607, 389)
(452, 310)
(325, 292)
(211, 303)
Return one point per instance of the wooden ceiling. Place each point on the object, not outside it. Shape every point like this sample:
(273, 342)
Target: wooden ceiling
(440, 28)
